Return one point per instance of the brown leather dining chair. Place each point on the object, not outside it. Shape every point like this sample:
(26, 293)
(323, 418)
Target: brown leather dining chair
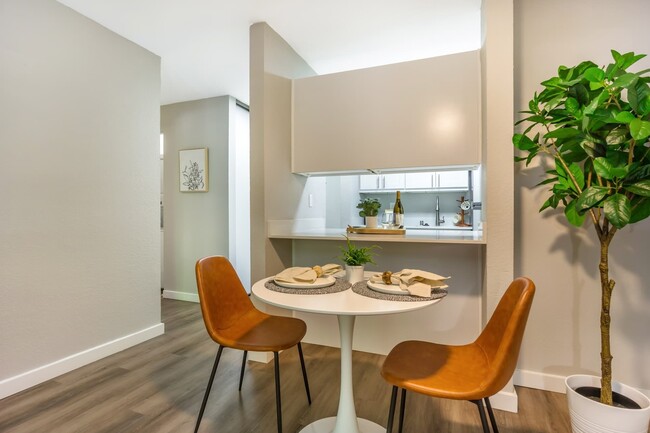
(472, 372)
(232, 321)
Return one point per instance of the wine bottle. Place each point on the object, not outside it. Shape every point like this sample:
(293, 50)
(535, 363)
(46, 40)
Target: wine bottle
(398, 211)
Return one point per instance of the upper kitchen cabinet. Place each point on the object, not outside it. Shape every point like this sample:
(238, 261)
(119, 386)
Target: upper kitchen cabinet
(423, 113)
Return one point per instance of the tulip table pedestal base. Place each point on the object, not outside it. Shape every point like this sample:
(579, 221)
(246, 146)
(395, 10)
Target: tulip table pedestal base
(326, 425)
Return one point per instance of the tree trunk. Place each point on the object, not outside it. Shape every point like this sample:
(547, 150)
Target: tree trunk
(607, 286)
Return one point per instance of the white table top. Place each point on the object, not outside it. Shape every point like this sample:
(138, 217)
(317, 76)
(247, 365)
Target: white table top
(340, 303)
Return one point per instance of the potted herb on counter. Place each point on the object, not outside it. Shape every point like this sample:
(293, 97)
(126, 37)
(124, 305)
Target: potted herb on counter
(369, 210)
(591, 125)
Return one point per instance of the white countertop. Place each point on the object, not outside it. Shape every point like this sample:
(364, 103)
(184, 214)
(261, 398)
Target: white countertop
(419, 235)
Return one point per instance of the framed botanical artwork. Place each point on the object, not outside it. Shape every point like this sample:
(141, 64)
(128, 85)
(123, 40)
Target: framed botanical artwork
(193, 170)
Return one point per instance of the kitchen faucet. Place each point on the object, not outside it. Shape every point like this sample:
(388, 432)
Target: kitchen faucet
(438, 220)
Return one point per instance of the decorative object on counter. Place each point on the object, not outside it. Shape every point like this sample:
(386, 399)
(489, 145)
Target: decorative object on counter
(193, 170)
(369, 210)
(340, 285)
(591, 125)
(355, 259)
(398, 211)
(361, 288)
(377, 231)
(408, 281)
(465, 206)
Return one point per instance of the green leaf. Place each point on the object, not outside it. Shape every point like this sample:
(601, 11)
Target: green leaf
(571, 104)
(563, 133)
(626, 80)
(547, 181)
(578, 175)
(572, 214)
(616, 136)
(594, 75)
(593, 149)
(641, 188)
(617, 210)
(636, 94)
(522, 142)
(624, 117)
(603, 168)
(590, 197)
(640, 129)
(640, 210)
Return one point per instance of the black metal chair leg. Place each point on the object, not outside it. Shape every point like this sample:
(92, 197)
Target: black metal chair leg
(481, 412)
(243, 367)
(207, 391)
(278, 402)
(304, 372)
(402, 408)
(493, 421)
(391, 410)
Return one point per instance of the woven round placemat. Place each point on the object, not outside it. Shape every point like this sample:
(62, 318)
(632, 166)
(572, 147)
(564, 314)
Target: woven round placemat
(362, 288)
(339, 286)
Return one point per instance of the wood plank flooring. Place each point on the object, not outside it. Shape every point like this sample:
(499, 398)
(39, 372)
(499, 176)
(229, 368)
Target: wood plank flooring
(158, 386)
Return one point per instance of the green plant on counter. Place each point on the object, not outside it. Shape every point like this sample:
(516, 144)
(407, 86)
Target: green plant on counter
(355, 256)
(369, 207)
(591, 124)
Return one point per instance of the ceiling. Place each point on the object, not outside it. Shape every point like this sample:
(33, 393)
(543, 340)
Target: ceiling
(203, 44)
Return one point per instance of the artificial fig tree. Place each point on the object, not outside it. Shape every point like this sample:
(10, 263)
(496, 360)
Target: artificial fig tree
(592, 124)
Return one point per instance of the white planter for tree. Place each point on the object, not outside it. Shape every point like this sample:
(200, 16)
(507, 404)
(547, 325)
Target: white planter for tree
(371, 222)
(590, 416)
(353, 274)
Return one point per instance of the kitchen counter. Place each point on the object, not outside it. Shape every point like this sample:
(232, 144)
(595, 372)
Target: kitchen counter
(284, 231)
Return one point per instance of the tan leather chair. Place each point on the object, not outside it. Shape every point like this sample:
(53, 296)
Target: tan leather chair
(232, 321)
(471, 372)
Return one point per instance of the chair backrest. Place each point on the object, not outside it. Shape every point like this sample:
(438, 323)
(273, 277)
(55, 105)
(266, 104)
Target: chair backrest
(501, 338)
(223, 297)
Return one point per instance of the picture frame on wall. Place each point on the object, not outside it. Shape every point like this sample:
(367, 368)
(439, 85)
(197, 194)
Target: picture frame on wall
(193, 170)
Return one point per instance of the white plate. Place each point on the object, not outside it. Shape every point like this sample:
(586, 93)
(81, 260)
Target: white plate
(391, 289)
(318, 284)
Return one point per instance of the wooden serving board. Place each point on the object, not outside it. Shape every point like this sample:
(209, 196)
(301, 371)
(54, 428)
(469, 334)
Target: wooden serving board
(377, 231)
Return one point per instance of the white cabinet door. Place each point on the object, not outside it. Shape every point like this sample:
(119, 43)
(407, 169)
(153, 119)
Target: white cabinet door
(393, 181)
(369, 182)
(452, 179)
(419, 180)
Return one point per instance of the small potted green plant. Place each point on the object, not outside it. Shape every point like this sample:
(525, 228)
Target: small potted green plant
(355, 259)
(369, 210)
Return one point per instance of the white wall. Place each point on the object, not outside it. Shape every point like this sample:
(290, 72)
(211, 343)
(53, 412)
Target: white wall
(563, 330)
(79, 187)
(196, 223)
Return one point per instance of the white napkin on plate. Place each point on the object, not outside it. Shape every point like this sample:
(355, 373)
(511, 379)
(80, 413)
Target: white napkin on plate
(306, 275)
(415, 281)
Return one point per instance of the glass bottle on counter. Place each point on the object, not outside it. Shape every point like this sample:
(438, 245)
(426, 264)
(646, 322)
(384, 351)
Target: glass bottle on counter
(398, 211)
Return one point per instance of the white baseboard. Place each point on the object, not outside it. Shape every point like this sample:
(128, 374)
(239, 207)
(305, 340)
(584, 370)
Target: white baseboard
(49, 371)
(181, 296)
(537, 380)
(550, 382)
(505, 400)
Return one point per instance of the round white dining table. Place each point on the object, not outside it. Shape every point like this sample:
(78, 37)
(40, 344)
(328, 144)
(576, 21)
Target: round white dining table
(346, 305)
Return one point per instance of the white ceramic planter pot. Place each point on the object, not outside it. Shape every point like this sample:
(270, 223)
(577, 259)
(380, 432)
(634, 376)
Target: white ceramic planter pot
(353, 274)
(371, 222)
(589, 416)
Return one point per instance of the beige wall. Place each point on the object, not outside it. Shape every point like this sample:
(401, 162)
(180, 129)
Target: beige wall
(421, 113)
(275, 192)
(196, 224)
(563, 331)
(79, 176)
